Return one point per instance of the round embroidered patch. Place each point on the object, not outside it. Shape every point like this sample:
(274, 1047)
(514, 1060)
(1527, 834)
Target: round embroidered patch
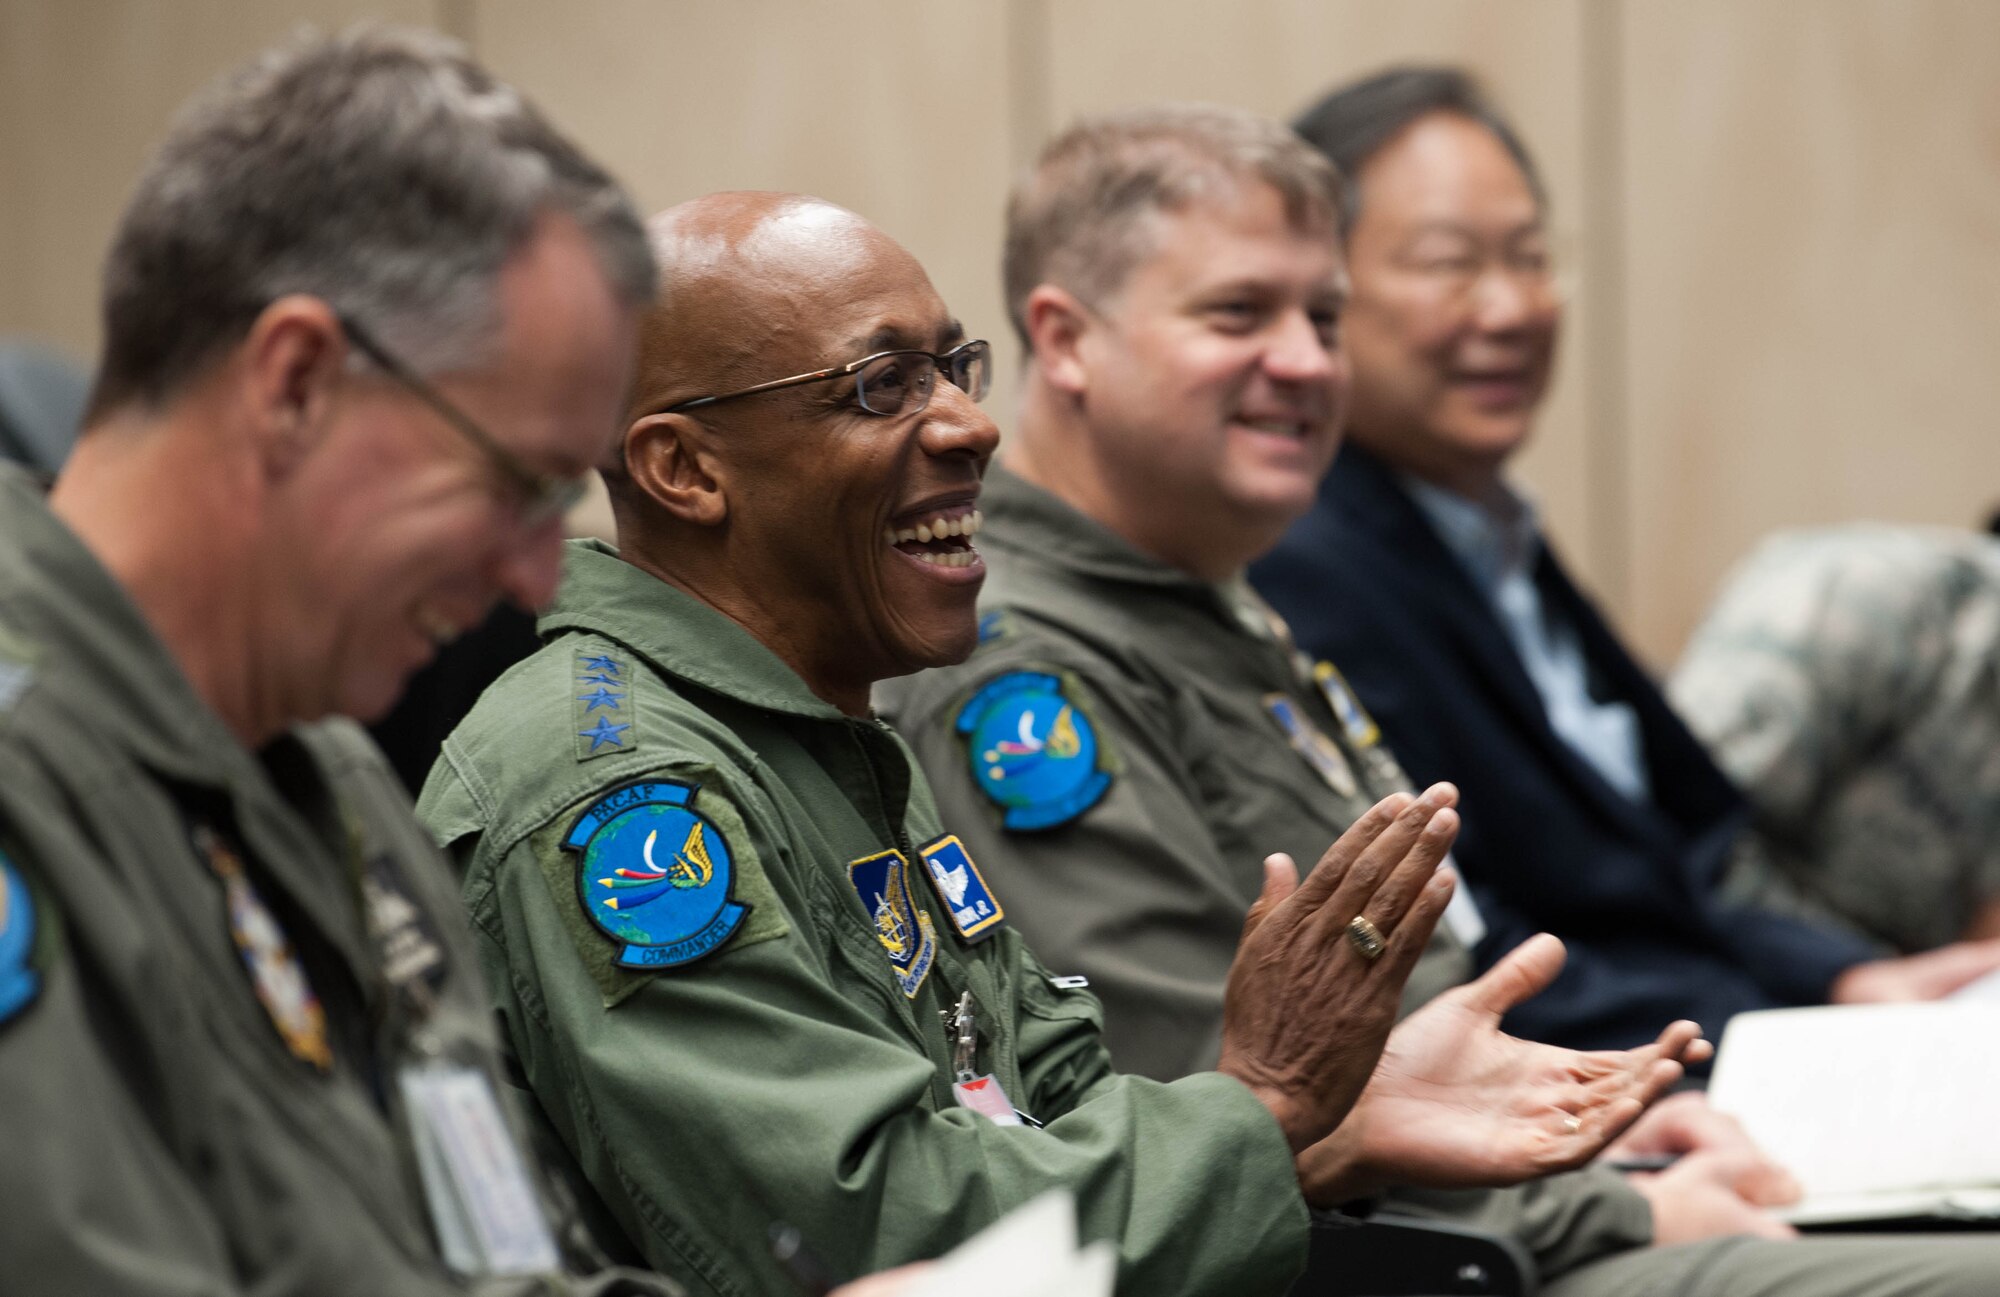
(654, 874)
(18, 979)
(1033, 751)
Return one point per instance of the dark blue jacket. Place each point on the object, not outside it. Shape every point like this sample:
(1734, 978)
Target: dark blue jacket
(1547, 844)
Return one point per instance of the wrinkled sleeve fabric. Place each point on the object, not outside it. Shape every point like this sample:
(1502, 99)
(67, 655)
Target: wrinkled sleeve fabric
(765, 1082)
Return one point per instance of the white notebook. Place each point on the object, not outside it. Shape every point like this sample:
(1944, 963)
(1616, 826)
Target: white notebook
(1030, 1252)
(1881, 1111)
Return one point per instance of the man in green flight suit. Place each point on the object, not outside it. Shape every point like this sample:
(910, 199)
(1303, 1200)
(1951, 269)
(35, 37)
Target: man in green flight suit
(751, 972)
(243, 1042)
(1136, 730)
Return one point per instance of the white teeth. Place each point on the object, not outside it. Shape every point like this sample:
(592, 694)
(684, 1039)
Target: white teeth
(939, 528)
(953, 558)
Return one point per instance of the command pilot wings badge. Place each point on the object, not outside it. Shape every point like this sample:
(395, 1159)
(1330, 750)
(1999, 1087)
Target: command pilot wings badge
(654, 874)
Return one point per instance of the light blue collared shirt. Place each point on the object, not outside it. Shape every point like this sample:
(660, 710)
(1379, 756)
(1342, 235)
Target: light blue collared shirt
(1497, 549)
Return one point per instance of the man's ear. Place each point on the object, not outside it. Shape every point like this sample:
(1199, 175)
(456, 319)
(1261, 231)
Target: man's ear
(1057, 324)
(668, 456)
(291, 362)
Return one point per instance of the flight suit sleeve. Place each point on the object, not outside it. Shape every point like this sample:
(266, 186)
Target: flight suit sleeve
(91, 1198)
(1128, 891)
(779, 1078)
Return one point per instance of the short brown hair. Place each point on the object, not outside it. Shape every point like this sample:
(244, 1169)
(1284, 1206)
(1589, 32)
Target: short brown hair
(1078, 217)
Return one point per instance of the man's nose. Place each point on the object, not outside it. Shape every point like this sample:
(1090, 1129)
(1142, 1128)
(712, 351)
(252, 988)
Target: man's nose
(955, 425)
(531, 567)
(1298, 350)
(1506, 298)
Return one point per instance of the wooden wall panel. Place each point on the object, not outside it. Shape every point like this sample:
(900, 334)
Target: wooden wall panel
(1277, 56)
(86, 88)
(894, 108)
(1812, 198)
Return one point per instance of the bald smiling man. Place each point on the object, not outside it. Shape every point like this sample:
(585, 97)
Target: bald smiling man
(749, 972)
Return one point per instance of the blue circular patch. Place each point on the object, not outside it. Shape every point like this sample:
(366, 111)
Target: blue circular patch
(654, 875)
(18, 979)
(1033, 751)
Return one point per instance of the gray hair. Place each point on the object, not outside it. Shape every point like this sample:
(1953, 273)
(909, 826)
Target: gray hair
(1353, 123)
(1082, 216)
(380, 170)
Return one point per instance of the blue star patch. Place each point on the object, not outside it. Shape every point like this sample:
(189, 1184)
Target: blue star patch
(602, 733)
(654, 874)
(599, 697)
(904, 928)
(1033, 751)
(19, 982)
(601, 663)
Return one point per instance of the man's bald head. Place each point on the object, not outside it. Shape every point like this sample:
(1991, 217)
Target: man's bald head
(741, 273)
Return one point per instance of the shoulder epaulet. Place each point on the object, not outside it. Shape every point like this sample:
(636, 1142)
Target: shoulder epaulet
(602, 681)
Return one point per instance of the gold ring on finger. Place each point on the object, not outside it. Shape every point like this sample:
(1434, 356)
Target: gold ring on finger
(1366, 938)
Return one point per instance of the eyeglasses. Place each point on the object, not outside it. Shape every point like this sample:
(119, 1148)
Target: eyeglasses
(541, 496)
(888, 383)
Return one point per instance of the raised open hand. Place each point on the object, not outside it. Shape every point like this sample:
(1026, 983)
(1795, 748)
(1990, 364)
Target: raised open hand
(1308, 1003)
(1454, 1102)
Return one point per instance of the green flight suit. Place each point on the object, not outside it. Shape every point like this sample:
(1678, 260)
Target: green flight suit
(159, 1133)
(1182, 684)
(791, 1070)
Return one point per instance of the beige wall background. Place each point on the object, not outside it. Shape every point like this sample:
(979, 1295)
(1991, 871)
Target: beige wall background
(1781, 220)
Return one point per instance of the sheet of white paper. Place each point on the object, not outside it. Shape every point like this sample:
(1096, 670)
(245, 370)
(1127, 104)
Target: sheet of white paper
(1858, 1099)
(1030, 1252)
(1979, 988)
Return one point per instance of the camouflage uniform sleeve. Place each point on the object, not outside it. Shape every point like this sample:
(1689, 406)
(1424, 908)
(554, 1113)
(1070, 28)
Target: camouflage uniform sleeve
(767, 1080)
(1798, 666)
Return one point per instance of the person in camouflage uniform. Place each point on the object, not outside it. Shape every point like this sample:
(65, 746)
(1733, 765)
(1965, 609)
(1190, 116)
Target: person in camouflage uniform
(1848, 679)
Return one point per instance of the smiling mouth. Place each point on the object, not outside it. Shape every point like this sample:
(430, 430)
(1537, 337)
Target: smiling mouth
(1296, 429)
(944, 540)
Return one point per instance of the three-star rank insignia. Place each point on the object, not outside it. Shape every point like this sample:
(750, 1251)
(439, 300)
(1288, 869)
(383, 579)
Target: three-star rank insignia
(603, 716)
(1033, 751)
(275, 971)
(19, 982)
(968, 902)
(904, 928)
(654, 874)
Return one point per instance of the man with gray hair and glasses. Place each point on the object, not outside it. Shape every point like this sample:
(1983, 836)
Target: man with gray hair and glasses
(368, 320)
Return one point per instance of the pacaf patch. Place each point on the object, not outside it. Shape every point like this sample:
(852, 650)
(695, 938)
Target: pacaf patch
(19, 982)
(276, 973)
(1034, 752)
(654, 874)
(904, 928)
(969, 903)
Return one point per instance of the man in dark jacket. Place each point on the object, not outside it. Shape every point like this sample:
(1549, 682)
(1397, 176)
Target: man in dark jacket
(1590, 810)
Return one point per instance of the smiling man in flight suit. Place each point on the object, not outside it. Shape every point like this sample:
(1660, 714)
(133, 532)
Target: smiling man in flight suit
(1137, 729)
(749, 969)
(366, 325)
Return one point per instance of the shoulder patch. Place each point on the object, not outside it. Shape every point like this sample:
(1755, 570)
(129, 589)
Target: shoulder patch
(904, 928)
(655, 875)
(1355, 722)
(601, 688)
(19, 982)
(968, 902)
(1033, 751)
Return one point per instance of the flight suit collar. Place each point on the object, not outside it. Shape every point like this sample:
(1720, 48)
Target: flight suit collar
(1035, 526)
(677, 633)
(73, 618)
